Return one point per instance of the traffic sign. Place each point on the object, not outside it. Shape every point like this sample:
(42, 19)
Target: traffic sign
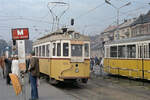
(20, 33)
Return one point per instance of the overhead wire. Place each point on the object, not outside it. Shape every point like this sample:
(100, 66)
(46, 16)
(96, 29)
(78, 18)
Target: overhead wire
(89, 11)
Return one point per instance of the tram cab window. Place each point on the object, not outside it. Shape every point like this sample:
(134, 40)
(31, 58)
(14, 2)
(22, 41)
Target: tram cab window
(86, 48)
(39, 50)
(131, 51)
(54, 49)
(65, 49)
(121, 51)
(76, 50)
(58, 49)
(47, 50)
(43, 50)
(113, 52)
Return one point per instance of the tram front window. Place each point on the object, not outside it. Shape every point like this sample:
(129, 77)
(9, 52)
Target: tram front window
(76, 50)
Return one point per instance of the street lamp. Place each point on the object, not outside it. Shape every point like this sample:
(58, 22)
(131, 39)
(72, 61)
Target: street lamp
(118, 9)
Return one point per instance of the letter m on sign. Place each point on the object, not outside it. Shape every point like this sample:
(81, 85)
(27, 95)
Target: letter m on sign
(20, 32)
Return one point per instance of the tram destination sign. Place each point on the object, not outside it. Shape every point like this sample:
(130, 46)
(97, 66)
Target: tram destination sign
(20, 34)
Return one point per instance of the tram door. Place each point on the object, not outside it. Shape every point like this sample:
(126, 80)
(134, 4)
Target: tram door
(143, 52)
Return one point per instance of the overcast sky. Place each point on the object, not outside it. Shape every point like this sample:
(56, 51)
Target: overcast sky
(91, 16)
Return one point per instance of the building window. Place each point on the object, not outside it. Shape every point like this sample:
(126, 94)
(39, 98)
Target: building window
(113, 51)
(131, 51)
(58, 49)
(65, 49)
(47, 50)
(54, 49)
(86, 48)
(43, 50)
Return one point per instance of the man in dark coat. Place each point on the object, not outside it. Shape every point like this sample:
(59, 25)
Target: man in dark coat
(34, 74)
(8, 62)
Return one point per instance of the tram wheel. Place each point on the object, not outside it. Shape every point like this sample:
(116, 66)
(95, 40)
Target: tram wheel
(53, 81)
(84, 80)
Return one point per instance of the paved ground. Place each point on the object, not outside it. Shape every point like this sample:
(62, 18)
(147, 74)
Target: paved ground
(46, 92)
(98, 88)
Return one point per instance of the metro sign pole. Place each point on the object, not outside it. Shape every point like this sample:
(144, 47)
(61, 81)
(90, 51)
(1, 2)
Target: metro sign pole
(21, 34)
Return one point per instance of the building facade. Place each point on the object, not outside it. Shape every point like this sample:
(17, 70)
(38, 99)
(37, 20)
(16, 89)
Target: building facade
(141, 26)
(124, 29)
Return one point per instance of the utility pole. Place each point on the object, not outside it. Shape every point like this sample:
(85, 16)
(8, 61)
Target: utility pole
(118, 12)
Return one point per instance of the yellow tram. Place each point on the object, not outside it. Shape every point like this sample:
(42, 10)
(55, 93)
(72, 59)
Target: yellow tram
(128, 57)
(64, 55)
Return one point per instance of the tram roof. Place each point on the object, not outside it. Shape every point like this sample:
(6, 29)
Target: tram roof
(57, 35)
(130, 40)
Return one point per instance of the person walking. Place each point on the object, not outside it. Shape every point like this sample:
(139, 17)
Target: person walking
(8, 63)
(91, 63)
(15, 66)
(34, 74)
(96, 60)
(101, 66)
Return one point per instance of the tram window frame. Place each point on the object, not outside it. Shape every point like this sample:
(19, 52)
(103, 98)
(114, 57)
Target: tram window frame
(40, 50)
(59, 49)
(86, 50)
(65, 49)
(43, 50)
(54, 49)
(37, 51)
(47, 50)
(131, 51)
(122, 51)
(113, 53)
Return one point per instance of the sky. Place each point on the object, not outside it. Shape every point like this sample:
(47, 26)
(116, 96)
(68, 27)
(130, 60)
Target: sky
(91, 16)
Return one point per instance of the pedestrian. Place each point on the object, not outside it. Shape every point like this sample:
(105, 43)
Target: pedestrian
(34, 75)
(8, 63)
(15, 66)
(91, 63)
(27, 67)
(101, 66)
(96, 60)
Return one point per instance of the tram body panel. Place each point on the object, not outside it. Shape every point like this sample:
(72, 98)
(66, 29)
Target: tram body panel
(57, 65)
(61, 69)
(44, 65)
(147, 69)
(123, 67)
(76, 70)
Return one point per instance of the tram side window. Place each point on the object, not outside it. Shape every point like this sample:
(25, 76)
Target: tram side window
(86, 48)
(43, 50)
(113, 51)
(121, 51)
(131, 51)
(58, 49)
(54, 48)
(39, 50)
(149, 50)
(47, 50)
(65, 49)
